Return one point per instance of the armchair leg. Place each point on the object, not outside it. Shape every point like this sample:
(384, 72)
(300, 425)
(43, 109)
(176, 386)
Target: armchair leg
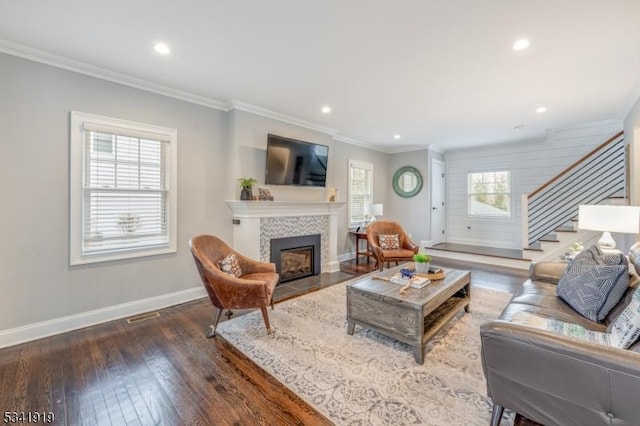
(265, 317)
(496, 414)
(212, 333)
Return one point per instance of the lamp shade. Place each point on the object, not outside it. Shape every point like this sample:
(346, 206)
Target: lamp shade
(625, 219)
(376, 209)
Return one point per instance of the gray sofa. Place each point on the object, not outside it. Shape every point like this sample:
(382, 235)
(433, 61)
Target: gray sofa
(558, 380)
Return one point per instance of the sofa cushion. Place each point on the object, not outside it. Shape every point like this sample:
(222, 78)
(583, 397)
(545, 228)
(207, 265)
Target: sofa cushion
(230, 265)
(623, 303)
(593, 286)
(625, 330)
(389, 242)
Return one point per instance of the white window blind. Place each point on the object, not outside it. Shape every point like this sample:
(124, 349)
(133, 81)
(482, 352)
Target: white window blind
(125, 192)
(127, 189)
(360, 190)
(489, 194)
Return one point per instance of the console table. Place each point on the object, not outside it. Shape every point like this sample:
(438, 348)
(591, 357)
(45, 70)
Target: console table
(360, 235)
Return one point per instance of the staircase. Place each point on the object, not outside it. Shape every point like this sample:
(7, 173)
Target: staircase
(549, 214)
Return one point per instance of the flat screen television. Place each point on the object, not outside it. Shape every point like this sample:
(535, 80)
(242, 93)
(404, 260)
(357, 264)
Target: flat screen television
(294, 162)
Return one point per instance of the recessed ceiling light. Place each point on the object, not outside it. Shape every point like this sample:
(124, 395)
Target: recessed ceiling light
(541, 110)
(162, 48)
(326, 109)
(521, 44)
(396, 137)
(518, 127)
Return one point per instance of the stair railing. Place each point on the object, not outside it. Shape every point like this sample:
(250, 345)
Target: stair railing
(592, 179)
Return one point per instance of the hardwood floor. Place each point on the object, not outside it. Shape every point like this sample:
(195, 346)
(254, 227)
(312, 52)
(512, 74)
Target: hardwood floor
(163, 370)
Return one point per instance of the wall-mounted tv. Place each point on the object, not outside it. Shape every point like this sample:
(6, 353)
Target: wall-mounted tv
(294, 162)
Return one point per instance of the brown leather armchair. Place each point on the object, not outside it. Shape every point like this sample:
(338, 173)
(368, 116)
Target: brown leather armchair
(254, 289)
(384, 227)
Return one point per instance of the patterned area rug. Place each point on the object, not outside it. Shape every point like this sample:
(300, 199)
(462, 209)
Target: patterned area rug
(369, 379)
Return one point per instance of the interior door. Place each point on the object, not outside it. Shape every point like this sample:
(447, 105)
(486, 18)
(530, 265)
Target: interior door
(437, 202)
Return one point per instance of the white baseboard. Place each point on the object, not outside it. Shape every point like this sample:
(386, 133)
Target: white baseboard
(15, 336)
(332, 267)
(346, 256)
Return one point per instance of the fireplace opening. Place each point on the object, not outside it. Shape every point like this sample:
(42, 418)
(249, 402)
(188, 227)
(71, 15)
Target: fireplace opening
(296, 257)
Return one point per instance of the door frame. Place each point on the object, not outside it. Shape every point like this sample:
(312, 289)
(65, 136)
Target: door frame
(444, 198)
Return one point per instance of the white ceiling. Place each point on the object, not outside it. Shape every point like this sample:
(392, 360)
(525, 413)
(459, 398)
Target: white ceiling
(436, 72)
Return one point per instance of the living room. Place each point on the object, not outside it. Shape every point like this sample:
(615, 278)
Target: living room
(223, 138)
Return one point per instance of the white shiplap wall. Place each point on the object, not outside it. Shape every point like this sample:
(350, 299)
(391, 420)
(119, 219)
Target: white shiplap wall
(531, 163)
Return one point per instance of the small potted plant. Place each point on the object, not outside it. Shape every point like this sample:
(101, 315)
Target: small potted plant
(575, 249)
(246, 184)
(422, 262)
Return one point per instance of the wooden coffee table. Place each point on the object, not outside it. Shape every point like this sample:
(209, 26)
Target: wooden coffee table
(378, 305)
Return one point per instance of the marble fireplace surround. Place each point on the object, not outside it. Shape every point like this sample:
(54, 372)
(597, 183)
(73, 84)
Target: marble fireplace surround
(256, 222)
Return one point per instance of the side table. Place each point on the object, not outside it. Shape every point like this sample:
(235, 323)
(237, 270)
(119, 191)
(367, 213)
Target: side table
(367, 251)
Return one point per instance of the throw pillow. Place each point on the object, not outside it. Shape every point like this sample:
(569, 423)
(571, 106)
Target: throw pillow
(389, 242)
(230, 265)
(595, 254)
(625, 330)
(593, 289)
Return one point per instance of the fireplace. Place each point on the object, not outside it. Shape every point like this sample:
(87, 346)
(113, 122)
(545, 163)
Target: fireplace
(296, 257)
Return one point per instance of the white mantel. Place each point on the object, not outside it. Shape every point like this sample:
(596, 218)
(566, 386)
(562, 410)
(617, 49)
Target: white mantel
(247, 233)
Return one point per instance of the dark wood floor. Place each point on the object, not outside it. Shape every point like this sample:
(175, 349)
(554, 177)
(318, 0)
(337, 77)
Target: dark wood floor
(163, 370)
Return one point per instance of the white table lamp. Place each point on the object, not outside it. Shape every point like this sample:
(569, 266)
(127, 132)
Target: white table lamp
(623, 219)
(376, 210)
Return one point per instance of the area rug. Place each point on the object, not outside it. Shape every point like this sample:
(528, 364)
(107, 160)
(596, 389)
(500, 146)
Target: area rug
(367, 378)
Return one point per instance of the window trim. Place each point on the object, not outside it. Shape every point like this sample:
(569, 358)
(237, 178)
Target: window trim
(505, 217)
(363, 165)
(81, 122)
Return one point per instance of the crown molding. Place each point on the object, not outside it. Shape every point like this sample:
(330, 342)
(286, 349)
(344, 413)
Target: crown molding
(352, 141)
(435, 148)
(105, 74)
(264, 112)
(43, 57)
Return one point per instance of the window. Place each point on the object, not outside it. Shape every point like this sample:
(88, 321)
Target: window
(489, 194)
(360, 190)
(123, 193)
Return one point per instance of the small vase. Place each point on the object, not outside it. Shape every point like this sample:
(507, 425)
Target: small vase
(422, 267)
(246, 194)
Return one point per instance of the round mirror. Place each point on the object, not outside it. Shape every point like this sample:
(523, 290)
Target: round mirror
(407, 181)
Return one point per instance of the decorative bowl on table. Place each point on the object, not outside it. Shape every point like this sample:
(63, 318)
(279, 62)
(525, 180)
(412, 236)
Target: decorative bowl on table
(407, 273)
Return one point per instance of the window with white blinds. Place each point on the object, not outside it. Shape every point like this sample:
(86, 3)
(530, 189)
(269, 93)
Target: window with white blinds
(123, 189)
(360, 190)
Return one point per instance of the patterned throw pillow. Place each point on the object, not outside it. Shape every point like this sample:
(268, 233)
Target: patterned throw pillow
(594, 285)
(389, 242)
(625, 330)
(230, 265)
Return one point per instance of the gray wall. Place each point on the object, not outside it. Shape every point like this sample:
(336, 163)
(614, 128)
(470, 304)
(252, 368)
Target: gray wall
(249, 146)
(35, 279)
(413, 213)
(342, 153)
(214, 149)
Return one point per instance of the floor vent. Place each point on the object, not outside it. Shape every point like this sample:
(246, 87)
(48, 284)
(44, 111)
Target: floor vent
(143, 317)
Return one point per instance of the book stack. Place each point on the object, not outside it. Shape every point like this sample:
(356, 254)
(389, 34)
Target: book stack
(415, 282)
